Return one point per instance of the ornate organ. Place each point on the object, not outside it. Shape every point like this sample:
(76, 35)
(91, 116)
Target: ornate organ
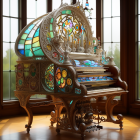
(58, 56)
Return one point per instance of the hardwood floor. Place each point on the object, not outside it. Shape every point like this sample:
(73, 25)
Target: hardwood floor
(14, 129)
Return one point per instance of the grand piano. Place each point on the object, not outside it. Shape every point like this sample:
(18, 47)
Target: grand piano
(59, 57)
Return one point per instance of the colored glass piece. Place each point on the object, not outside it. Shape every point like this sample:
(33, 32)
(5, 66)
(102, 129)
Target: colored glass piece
(51, 33)
(37, 44)
(49, 76)
(28, 38)
(27, 31)
(28, 53)
(49, 47)
(20, 82)
(28, 42)
(51, 21)
(64, 12)
(21, 41)
(27, 47)
(68, 12)
(31, 27)
(77, 91)
(36, 48)
(21, 51)
(35, 39)
(51, 28)
(64, 73)
(37, 32)
(20, 46)
(69, 82)
(39, 53)
(24, 36)
(31, 33)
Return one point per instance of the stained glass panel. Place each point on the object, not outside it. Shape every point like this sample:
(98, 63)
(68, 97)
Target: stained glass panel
(49, 77)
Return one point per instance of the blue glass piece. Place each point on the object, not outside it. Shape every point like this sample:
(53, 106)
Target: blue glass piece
(28, 38)
(20, 46)
(27, 31)
(77, 91)
(37, 32)
(61, 60)
(71, 102)
(49, 39)
(21, 52)
(95, 49)
(31, 27)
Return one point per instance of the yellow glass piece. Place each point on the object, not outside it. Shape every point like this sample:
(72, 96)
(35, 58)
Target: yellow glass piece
(49, 47)
(77, 6)
(35, 39)
(64, 73)
(26, 65)
(28, 42)
(69, 81)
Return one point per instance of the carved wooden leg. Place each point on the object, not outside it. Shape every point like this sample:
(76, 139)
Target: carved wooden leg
(110, 104)
(30, 118)
(56, 114)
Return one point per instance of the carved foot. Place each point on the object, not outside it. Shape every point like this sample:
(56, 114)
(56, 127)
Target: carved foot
(28, 128)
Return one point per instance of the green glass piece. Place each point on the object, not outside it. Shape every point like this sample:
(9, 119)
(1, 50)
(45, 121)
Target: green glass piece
(93, 41)
(38, 53)
(24, 36)
(37, 44)
(28, 53)
(21, 41)
(51, 27)
(35, 49)
(20, 82)
(26, 73)
(64, 12)
(68, 12)
(59, 82)
(51, 20)
(62, 80)
(51, 33)
(27, 47)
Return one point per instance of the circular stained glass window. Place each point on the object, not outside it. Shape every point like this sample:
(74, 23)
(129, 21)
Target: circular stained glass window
(49, 77)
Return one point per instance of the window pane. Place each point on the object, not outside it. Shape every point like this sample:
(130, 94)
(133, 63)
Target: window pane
(67, 1)
(6, 32)
(29, 20)
(139, 5)
(116, 53)
(31, 8)
(6, 56)
(115, 7)
(118, 97)
(139, 28)
(107, 8)
(56, 4)
(116, 29)
(13, 56)
(13, 85)
(14, 29)
(92, 4)
(107, 48)
(107, 30)
(14, 8)
(41, 7)
(93, 23)
(6, 7)
(6, 85)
